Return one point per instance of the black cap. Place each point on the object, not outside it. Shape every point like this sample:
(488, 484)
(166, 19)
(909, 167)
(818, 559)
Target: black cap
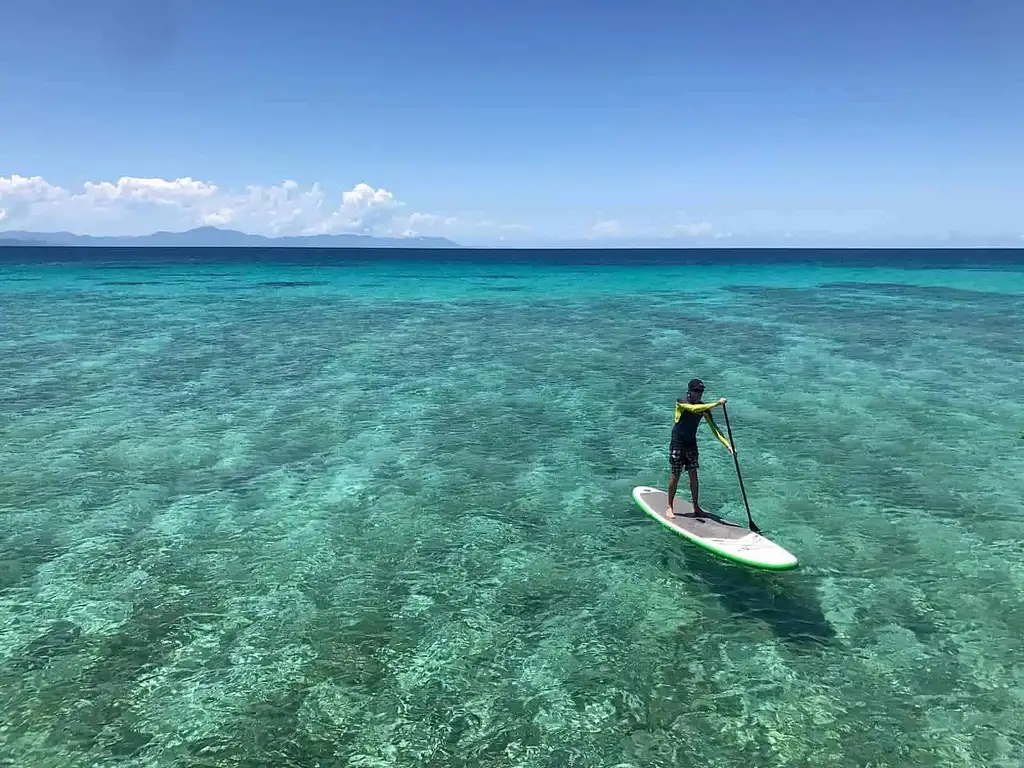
(695, 385)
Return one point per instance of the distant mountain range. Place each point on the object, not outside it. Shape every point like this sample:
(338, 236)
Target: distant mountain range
(214, 237)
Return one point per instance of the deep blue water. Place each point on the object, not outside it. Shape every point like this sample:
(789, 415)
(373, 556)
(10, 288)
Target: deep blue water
(925, 258)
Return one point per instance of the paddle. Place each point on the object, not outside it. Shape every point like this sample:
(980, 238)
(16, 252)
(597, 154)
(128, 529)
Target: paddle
(728, 428)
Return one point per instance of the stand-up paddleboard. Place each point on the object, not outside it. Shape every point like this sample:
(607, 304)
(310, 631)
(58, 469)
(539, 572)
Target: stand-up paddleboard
(722, 537)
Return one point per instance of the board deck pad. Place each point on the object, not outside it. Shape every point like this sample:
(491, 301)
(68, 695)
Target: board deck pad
(723, 537)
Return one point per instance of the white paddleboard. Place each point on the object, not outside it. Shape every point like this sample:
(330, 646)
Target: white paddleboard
(722, 537)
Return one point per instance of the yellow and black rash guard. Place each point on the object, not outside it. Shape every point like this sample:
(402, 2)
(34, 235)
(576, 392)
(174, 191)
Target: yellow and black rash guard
(688, 418)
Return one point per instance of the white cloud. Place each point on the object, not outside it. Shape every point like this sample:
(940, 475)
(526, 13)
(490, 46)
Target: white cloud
(133, 205)
(695, 230)
(156, 191)
(33, 189)
(487, 225)
(641, 230)
(427, 224)
(608, 228)
(363, 209)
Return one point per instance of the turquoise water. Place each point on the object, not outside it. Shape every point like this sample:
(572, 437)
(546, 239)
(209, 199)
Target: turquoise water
(378, 513)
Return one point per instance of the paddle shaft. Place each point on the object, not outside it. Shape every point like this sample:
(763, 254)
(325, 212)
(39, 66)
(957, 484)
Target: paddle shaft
(736, 460)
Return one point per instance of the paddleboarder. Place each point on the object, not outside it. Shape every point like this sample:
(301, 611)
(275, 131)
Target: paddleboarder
(682, 450)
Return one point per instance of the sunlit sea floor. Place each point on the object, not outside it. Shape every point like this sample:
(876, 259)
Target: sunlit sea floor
(380, 515)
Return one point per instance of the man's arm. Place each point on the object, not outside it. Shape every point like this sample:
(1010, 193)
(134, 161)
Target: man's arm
(695, 407)
(716, 431)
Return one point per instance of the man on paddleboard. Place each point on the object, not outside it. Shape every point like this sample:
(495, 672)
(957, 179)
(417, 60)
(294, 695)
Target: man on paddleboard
(682, 451)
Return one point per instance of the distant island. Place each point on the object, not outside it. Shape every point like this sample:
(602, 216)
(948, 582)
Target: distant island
(214, 237)
(11, 242)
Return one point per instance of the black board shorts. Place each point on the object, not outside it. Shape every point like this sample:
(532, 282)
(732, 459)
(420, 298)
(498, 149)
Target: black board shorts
(682, 457)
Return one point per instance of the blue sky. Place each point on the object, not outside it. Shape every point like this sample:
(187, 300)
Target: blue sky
(523, 122)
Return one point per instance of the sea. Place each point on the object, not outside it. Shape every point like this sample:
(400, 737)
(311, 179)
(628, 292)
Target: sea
(368, 508)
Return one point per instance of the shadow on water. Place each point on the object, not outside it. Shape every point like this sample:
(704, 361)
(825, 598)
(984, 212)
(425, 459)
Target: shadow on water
(784, 601)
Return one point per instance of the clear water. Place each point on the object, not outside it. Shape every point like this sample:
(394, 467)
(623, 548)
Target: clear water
(274, 509)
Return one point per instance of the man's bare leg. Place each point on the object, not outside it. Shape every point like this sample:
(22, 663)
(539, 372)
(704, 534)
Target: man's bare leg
(673, 480)
(694, 488)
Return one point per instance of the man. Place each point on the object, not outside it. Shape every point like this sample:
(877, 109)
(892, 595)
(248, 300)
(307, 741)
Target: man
(682, 450)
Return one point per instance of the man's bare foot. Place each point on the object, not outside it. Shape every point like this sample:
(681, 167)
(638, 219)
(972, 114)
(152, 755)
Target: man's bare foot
(668, 513)
(698, 511)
